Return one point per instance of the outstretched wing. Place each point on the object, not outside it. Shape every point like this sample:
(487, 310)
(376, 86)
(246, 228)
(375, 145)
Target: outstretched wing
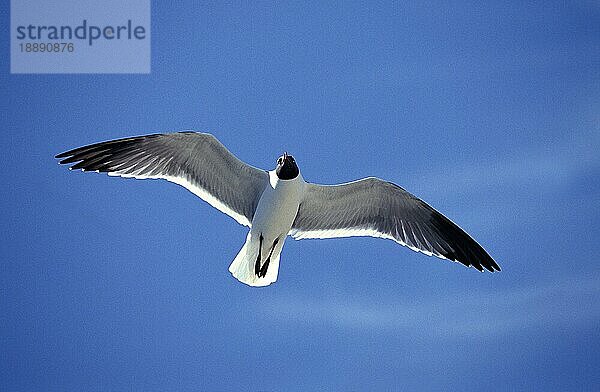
(376, 208)
(196, 161)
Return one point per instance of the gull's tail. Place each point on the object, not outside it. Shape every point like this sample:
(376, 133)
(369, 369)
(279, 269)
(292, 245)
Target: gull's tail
(257, 263)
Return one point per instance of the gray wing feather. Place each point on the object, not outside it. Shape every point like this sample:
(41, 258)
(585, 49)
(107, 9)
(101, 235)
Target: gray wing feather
(376, 208)
(197, 161)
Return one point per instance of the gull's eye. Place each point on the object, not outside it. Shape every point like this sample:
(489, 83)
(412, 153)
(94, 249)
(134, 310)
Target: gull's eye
(279, 161)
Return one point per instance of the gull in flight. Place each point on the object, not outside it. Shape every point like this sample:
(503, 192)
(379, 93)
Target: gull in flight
(278, 203)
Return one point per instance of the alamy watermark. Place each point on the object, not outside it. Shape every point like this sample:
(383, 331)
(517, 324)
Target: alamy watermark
(80, 36)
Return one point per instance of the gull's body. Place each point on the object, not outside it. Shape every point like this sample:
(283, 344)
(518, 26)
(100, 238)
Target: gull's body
(272, 221)
(278, 203)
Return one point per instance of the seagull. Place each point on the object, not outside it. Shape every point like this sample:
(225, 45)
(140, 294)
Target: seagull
(278, 203)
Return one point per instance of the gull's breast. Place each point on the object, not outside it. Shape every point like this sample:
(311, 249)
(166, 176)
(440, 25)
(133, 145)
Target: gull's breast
(278, 207)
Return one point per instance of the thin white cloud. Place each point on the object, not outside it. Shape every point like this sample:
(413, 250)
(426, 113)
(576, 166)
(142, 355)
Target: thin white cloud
(569, 303)
(546, 165)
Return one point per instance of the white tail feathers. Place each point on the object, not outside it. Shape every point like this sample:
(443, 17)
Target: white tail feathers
(244, 264)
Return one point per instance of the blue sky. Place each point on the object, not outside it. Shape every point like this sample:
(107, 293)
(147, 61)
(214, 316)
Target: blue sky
(489, 112)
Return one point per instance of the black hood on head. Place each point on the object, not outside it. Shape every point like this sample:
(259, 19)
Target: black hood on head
(286, 167)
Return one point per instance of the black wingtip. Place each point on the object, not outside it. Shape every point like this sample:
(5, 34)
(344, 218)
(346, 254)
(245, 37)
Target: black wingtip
(481, 262)
(467, 251)
(490, 266)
